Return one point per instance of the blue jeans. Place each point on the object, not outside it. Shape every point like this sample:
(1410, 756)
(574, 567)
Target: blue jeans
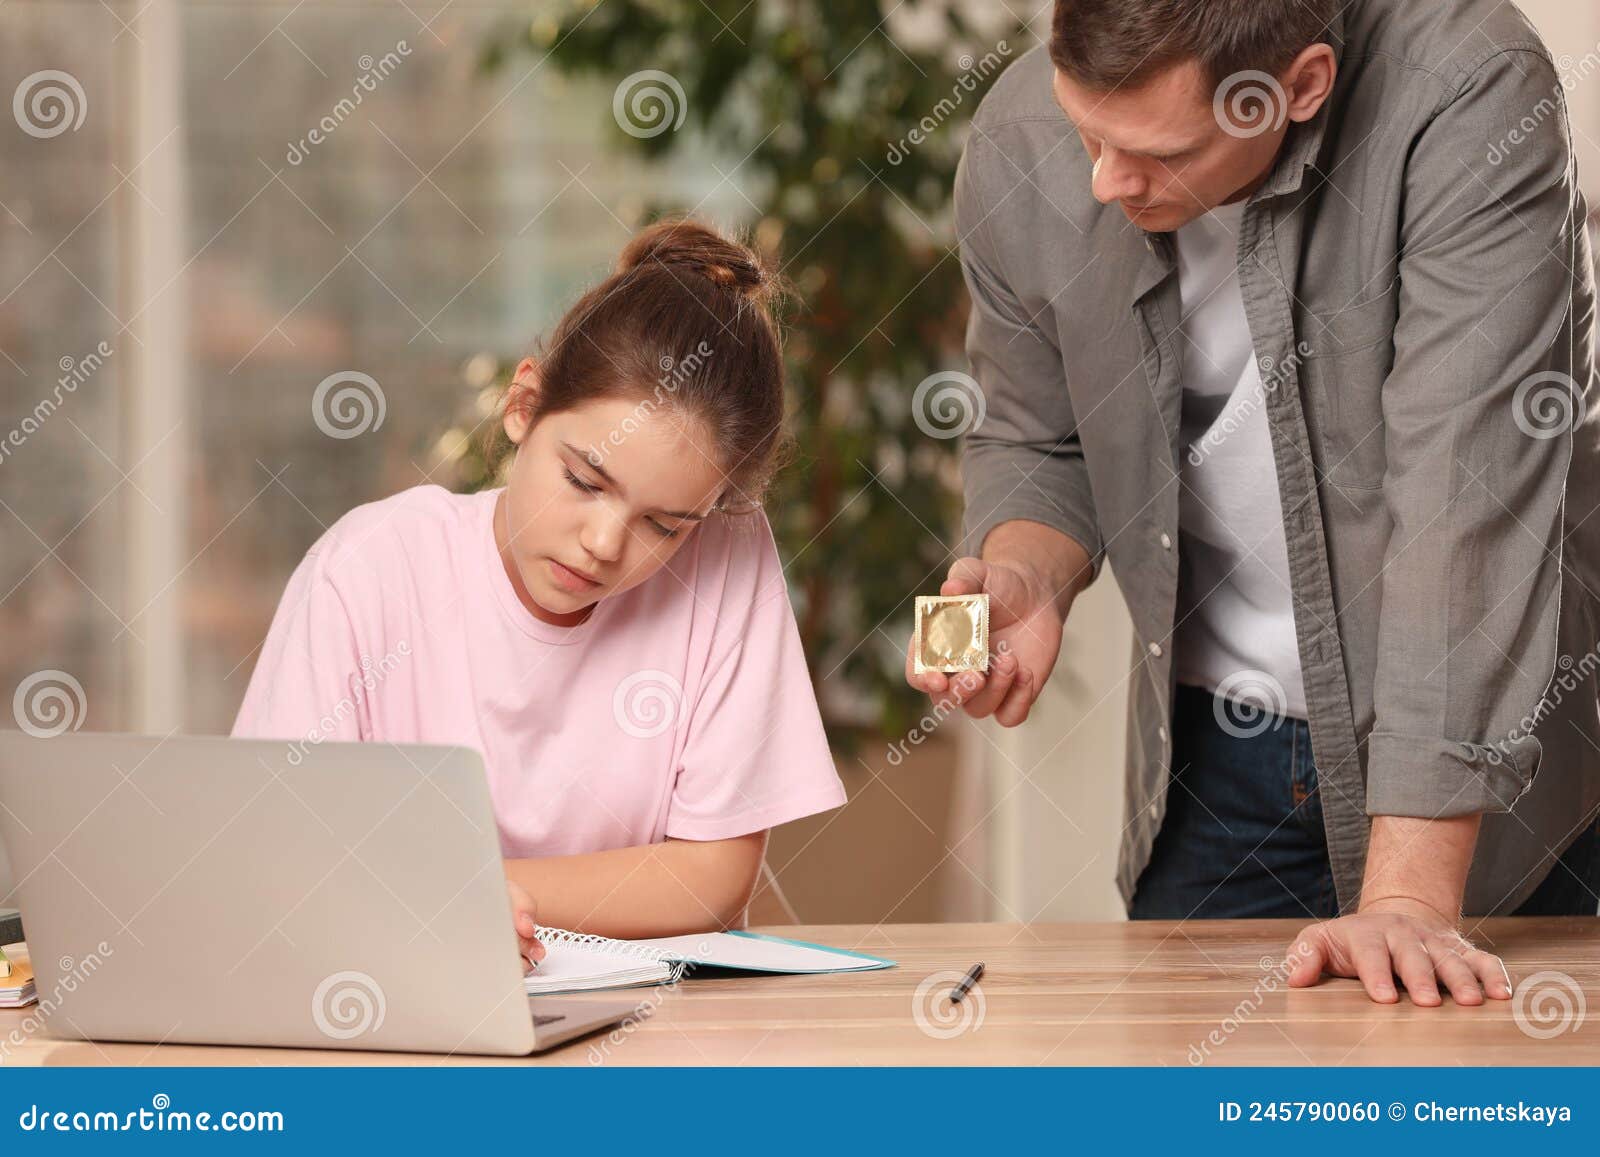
(1243, 834)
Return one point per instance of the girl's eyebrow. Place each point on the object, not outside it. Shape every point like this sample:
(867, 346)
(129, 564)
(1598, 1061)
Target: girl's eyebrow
(589, 461)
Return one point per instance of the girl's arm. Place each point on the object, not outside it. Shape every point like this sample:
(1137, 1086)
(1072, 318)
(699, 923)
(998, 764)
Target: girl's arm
(666, 889)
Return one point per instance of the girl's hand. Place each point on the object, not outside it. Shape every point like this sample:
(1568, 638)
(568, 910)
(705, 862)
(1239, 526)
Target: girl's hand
(522, 915)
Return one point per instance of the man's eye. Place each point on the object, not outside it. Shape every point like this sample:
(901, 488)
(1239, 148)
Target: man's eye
(663, 531)
(579, 482)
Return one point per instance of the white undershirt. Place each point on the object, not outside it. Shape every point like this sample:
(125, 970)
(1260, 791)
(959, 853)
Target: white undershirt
(1236, 616)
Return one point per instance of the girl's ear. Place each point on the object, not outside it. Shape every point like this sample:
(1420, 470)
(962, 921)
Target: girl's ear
(520, 398)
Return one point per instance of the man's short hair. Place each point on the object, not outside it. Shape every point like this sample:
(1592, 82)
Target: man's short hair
(1109, 44)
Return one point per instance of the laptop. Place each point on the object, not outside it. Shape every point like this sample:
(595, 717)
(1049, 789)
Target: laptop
(258, 892)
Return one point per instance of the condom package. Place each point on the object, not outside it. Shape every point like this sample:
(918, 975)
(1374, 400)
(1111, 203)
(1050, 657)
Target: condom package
(952, 634)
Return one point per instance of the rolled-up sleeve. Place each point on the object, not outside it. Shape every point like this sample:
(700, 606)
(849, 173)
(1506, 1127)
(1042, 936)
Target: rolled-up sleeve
(1478, 415)
(1024, 460)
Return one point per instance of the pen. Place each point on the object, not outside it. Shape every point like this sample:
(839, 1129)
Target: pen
(974, 974)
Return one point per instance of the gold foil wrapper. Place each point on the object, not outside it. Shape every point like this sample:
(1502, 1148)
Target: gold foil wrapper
(951, 634)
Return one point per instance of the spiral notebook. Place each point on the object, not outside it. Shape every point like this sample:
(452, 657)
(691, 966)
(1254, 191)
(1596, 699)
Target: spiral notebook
(576, 962)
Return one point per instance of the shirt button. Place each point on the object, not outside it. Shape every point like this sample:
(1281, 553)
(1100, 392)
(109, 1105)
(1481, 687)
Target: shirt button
(1154, 807)
(1161, 732)
(1166, 541)
(1155, 649)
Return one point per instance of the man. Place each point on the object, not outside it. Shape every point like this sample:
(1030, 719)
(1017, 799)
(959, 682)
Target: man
(1285, 308)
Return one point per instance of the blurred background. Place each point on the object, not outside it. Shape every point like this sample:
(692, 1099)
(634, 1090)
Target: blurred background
(210, 209)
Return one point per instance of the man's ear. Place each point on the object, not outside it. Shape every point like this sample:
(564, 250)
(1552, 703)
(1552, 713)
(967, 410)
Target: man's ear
(521, 396)
(1308, 81)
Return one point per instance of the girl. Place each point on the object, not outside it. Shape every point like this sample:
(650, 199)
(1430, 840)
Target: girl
(611, 629)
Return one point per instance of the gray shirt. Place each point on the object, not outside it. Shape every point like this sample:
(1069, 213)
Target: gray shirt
(1420, 296)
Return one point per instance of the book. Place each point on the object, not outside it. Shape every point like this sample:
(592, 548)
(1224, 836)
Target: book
(16, 988)
(581, 962)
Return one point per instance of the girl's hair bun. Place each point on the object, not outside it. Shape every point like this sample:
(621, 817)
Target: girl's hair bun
(681, 243)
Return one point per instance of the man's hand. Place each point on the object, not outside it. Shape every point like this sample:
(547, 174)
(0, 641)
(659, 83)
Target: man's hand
(1024, 641)
(522, 916)
(1397, 936)
(1406, 924)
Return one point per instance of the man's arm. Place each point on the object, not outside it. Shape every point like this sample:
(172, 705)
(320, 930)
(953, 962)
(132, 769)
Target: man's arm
(1421, 862)
(1024, 461)
(1029, 506)
(1490, 272)
(1477, 446)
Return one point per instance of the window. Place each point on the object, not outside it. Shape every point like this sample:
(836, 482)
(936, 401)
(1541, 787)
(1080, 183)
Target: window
(314, 190)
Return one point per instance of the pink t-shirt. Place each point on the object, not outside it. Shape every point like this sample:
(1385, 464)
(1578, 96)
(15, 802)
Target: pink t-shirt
(681, 707)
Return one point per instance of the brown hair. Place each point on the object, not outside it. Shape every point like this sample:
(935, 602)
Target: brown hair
(686, 320)
(1105, 44)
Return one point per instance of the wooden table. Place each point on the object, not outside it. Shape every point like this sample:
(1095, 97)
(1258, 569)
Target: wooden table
(1057, 994)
